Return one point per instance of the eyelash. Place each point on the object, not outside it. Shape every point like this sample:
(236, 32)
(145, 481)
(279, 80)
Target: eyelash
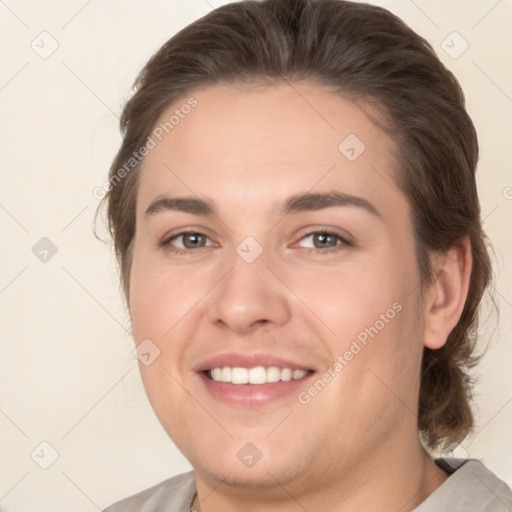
(344, 242)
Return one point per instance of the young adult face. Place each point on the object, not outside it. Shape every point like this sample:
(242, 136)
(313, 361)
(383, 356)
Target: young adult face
(261, 287)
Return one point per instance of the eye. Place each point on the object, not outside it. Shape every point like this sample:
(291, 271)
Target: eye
(191, 241)
(326, 242)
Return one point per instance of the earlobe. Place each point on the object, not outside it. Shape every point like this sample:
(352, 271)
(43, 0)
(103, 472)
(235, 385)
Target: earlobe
(447, 294)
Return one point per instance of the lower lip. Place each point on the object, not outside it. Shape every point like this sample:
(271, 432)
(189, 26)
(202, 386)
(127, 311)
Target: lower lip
(251, 395)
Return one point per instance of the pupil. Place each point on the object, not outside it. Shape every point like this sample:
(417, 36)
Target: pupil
(322, 237)
(192, 237)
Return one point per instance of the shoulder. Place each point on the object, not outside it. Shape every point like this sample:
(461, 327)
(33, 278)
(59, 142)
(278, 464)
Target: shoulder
(472, 486)
(174, 494)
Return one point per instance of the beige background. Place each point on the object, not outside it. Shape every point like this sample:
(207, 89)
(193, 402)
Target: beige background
(67, 373)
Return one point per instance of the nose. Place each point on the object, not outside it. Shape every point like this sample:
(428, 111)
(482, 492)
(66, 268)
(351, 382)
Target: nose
(249, 297)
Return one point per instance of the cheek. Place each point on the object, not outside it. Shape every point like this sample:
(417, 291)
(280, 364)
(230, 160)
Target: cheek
(371, 311)
(167, 303)
(352, 296)
(159, 304)
(149, 302)
(161, 296)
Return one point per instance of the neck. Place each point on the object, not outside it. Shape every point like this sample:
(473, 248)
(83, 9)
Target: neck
(400, 480)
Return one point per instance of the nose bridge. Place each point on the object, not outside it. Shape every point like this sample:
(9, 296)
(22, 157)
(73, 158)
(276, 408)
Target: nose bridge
(250, 294)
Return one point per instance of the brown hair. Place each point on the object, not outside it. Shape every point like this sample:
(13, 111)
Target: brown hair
(366, 53)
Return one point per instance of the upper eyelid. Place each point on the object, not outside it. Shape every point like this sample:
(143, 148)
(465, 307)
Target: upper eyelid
(167, 239)
(186, 231)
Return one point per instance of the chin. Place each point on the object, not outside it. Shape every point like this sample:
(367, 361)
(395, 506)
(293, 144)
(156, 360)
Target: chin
(261, 476)
(240, 463)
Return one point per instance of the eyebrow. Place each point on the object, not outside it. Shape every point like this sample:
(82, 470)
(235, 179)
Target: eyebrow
(294, 204)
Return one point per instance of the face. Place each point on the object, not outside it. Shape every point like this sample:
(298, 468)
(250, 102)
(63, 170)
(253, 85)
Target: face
(287, 323)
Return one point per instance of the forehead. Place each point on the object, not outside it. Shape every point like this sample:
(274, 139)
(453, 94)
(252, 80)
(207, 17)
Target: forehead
(267, 139)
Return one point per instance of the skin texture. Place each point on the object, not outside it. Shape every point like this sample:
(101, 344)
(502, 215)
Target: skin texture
(354, 446)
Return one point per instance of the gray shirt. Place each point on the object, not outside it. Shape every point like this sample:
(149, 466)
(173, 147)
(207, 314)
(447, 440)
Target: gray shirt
(471, 487)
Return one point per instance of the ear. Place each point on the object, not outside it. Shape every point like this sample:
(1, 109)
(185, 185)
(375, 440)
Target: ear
(447, 294)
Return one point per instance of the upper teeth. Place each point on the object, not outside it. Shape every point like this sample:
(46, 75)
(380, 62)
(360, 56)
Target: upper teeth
(258, 375)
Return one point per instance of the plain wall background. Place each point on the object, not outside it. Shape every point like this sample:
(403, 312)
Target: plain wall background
(68, 376)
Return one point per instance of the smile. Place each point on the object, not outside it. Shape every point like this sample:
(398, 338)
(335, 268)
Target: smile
(257, 375)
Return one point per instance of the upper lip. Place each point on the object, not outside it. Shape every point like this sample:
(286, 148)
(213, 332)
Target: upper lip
(248, 361)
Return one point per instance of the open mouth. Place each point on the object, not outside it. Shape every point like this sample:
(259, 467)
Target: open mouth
(257, 375)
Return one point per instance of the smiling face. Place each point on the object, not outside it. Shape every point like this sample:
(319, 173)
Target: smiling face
(275, 282)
